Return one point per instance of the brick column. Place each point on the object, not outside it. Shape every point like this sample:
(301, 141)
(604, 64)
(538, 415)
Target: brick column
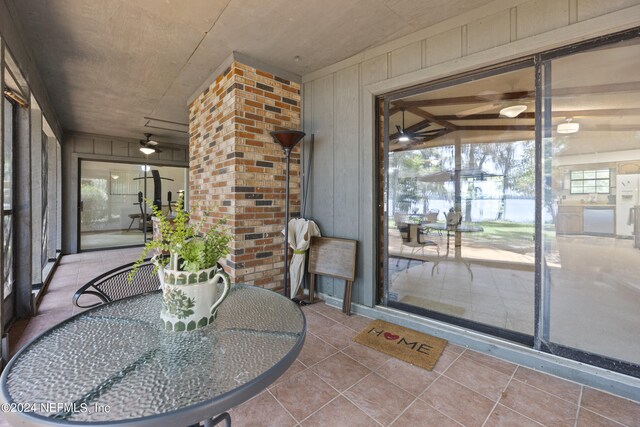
(238, 172)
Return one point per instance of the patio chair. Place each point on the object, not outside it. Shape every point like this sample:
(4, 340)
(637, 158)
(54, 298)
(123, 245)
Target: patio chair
(430, 218)
(114, 285)
(432, 215)
(454, 219)
(412, 237)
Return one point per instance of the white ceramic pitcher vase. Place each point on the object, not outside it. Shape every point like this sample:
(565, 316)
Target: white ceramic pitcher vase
(189, 298)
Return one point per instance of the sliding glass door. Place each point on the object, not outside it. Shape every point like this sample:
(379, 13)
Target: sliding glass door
(111, 214)
(512, 202)
(461, 202)
(591, 234)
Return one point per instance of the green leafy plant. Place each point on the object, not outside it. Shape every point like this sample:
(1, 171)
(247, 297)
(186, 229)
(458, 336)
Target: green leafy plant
(191, 249)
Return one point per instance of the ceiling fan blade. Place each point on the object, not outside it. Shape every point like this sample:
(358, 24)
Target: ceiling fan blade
(400, 130)
(479, 109)
(426, 132)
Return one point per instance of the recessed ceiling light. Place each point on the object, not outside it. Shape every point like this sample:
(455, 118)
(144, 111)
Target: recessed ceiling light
(512, 111)
(568, 127)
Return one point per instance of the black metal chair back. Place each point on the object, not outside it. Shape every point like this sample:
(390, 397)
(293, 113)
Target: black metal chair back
(114, 285)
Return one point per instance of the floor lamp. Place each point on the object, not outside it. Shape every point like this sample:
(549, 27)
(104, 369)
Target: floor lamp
(287, 140)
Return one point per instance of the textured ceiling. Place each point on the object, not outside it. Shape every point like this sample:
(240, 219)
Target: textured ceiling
(108, 65)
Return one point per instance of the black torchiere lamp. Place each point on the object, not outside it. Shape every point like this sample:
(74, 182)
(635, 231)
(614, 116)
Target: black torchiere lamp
(287, 140)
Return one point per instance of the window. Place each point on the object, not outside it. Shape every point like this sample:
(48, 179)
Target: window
(7, 200)
(590, 181)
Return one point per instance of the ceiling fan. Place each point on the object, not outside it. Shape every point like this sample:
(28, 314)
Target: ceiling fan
(149, 146)
(406, 135)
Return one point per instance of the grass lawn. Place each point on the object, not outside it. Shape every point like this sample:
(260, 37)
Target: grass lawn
(511, 236)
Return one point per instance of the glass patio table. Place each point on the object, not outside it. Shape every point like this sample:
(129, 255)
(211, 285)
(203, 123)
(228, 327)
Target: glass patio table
(116, 365)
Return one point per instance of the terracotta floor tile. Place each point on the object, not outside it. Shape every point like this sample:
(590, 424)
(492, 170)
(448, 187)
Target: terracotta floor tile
(411, 378)
(369, 357)
(421, 414)
(338, 336)
(505, 417)
(51, 318)
(447, 357)
(15, 333)
(62, 309)
(538, 405)
(4, 422)
(303, 394)
(314, 350)
(378, 398)
(339, 412)
(63, 272)
(455, 348)
(587, 418)
(68, 283)
(458, 402)
(340, 371)
(557, 386)
(492, 362)
(317, 322)
(616, 408)
(296, 368)
(262, 410)
(356, 322)
(478, 377)
(331, 312)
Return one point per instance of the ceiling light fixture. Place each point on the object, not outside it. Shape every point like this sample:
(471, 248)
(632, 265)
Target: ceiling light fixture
(403, 135)
(512, 111)
(149, 146)
(568, 127)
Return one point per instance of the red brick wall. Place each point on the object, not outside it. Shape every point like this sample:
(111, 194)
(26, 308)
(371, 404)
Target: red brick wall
(238, 172)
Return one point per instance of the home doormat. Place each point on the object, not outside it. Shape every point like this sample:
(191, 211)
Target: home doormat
(403, 343)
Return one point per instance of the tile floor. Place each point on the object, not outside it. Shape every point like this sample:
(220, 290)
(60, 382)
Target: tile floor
(95, 240)
(593, 290)
(336, 382)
